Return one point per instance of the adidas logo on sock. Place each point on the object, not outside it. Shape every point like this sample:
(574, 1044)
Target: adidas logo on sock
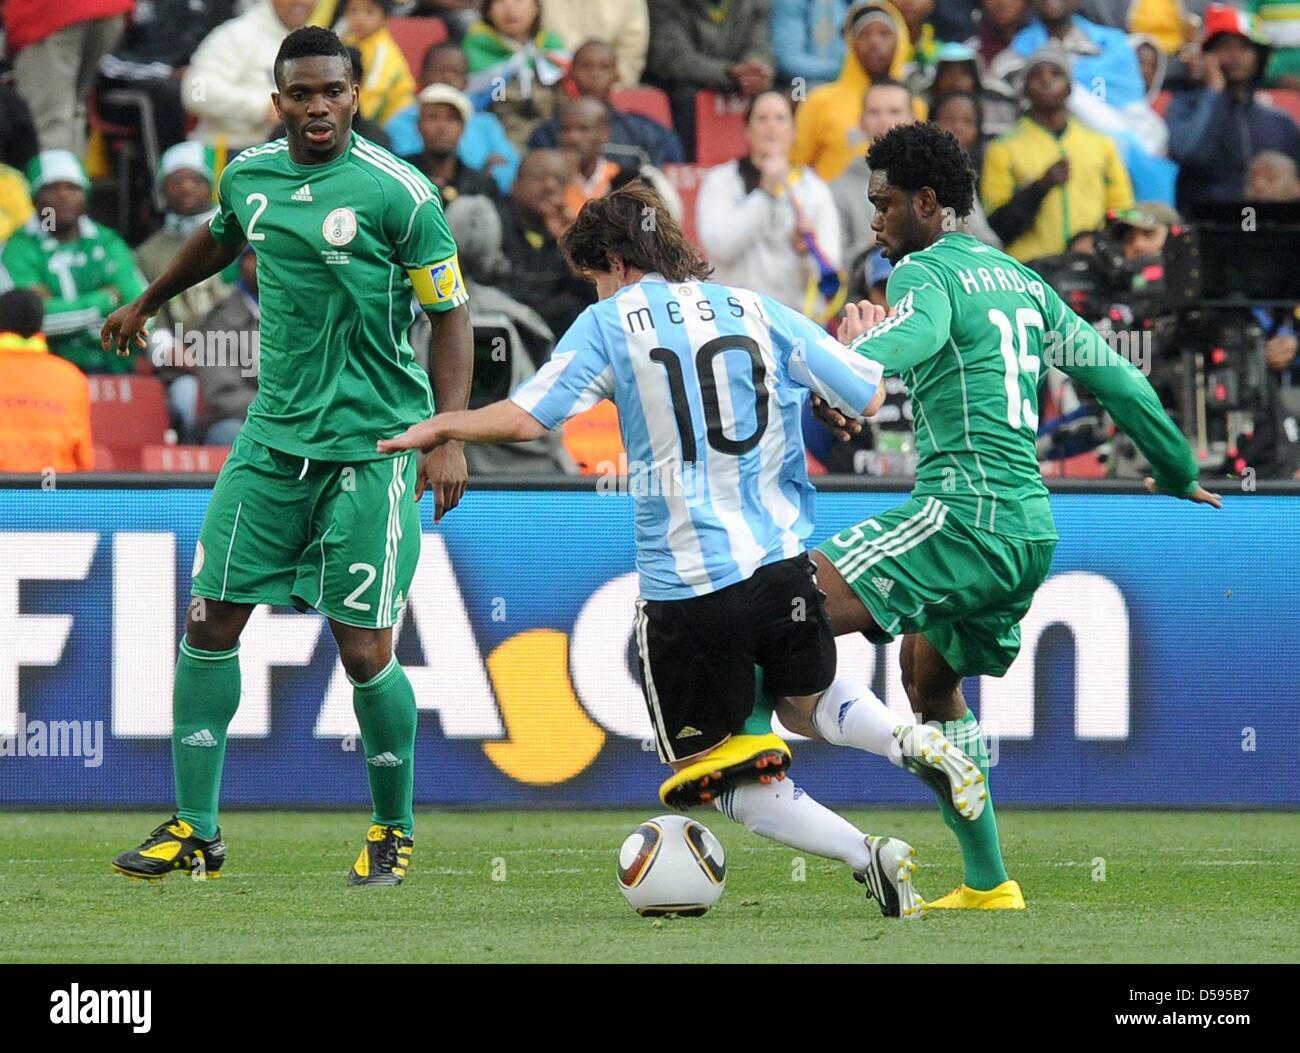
(303, 193)
(844, 711)
(384, 760)
(883, 585)
(200, 738)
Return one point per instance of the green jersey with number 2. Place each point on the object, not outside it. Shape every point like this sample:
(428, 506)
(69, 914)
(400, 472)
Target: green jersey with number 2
(341, 249)
(969, 331)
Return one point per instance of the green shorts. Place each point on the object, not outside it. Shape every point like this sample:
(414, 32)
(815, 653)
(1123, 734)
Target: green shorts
(920, 569)
(281, 529)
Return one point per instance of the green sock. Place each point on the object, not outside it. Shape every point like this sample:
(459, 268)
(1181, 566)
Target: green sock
(981, 854)
(204, 699)
(759, 721)
(385, 709)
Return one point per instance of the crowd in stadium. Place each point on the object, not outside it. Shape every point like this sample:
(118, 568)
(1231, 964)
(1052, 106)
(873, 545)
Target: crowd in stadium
(751, 118)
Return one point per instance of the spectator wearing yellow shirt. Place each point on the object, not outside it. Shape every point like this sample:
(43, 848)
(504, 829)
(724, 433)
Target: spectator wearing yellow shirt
(1050, 177)
(387, 86)
(15, 202)
(828, 125)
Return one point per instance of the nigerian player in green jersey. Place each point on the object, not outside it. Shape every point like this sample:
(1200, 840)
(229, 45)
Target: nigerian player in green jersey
(305, 512)
(954, 569)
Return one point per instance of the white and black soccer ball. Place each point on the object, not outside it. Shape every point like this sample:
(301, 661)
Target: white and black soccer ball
(671, 865)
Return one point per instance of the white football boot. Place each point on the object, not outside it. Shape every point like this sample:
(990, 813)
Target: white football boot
(888, 878)
(927, 753)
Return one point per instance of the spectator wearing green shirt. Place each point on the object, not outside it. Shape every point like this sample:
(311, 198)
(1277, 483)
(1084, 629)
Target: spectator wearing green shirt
(80, 268)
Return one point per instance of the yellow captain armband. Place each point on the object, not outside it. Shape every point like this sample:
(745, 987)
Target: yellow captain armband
(439, 285)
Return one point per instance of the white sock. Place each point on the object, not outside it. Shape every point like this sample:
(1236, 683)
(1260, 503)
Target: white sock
(849, 714)
(783, 812)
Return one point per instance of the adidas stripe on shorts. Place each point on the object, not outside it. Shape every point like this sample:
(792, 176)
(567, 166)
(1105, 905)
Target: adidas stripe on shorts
(920, 568)
(698, 655)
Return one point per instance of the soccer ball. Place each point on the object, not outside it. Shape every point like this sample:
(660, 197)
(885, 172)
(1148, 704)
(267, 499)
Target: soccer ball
(671, 865)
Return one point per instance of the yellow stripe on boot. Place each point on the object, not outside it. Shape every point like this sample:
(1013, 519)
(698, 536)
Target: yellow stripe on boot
(1006, 896)
(742, 758)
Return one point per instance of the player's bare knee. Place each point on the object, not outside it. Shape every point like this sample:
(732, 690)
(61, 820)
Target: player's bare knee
(365, 653)
(213, 625)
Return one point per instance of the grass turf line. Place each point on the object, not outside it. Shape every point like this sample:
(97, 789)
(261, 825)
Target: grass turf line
(1195, 887)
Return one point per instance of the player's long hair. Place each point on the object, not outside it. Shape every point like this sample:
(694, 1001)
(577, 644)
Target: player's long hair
(634, 224)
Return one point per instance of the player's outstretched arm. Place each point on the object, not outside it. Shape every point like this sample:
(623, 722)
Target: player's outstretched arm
(1130, 399)
(502, 421)
(200, 257)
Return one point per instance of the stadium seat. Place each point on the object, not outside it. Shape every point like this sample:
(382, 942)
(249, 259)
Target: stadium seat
(104, 459)
(415, 36)
(128, 413)
(686, 181)
(1285, 99)
(647, 101)
(719, 128)
(166, 458)
(124, 143)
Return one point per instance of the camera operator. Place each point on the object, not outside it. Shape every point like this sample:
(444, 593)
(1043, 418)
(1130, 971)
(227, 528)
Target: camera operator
(1142, 230)
(1116, 280)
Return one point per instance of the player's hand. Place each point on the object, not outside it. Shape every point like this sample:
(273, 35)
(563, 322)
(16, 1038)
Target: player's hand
(842, 427)
(124, 327)
(1200, 496)
(444, 471)
(423, 436)
(858, 318)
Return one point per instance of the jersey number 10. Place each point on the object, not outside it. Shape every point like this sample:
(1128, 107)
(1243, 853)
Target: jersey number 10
(704, 357)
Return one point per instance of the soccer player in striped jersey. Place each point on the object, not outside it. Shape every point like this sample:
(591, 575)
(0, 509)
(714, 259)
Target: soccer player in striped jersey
(954, 569)
(305, 511)
(710, 381)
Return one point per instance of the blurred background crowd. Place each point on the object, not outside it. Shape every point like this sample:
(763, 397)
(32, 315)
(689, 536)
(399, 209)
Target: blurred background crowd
(1141, 154)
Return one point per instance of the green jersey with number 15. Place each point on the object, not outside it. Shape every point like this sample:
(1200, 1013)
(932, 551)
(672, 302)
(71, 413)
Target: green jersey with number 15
(969, 331)
(341, 247)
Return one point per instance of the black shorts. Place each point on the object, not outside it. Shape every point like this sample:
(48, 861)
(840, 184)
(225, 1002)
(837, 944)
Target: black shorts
(697, 656)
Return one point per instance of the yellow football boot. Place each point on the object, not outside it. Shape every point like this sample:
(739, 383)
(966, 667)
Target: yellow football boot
(384, 858)
(1006, 896)
(173, 845)
(742, 758)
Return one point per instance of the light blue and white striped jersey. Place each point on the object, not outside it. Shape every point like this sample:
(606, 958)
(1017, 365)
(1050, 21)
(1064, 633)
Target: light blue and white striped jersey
(709, 381)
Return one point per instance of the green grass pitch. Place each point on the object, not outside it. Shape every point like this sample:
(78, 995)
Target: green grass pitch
(540, 887)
